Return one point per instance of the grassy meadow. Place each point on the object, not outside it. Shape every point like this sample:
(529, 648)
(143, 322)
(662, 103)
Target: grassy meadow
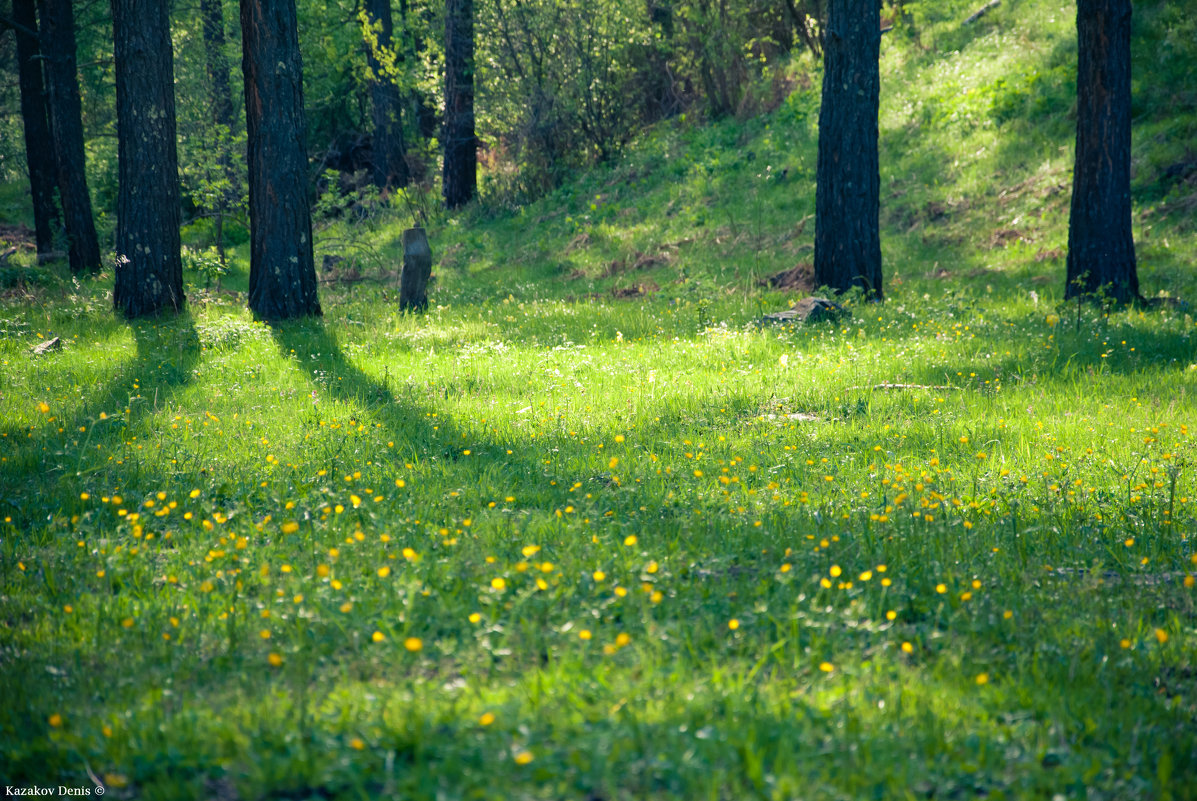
(588, 529)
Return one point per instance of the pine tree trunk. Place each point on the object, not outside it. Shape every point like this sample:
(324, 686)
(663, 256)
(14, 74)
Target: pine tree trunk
(39, 152)
(460, 176)
(1101, 247)
(217, 63)
(66, 130)
(389, 154)
(848, 181)
(282, 273)
(149, 269)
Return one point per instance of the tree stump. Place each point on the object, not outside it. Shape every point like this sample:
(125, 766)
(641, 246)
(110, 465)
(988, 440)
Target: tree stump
(417, 267)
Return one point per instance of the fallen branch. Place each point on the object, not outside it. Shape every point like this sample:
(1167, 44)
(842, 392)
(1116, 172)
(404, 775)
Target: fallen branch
(982, 11)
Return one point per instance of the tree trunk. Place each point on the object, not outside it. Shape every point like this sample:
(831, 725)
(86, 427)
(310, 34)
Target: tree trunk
(417, 268)
(1101, 246)
(460, 177)
(149, 268)
(66, 130)
(39, 151)
(217, 64)
(390, 157)
(848, 181)
(282, 272)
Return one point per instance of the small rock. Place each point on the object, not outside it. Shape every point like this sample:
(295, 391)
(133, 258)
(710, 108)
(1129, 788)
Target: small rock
(47, 346)
(807, 310)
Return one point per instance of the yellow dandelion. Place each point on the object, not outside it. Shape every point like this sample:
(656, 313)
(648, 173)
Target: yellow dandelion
(826, 667)
(622, 639)
(629, 540)
(1161, 636)
(413, 644)
(907, 648)
(290, 527)
(274, 659)
(498, 583)
(475, 617)
(584, 634)
(982, 678)
(733, 624)
(486, 719)
(523, 757)
(384, 571)
(599, 575)
(378, 636)
(357, 744)
(55, 719)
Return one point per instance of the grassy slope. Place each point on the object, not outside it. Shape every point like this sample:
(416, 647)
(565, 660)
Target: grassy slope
(1056, 475)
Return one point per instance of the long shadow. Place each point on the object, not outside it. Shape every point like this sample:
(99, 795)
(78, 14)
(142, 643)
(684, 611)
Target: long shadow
(166, 354)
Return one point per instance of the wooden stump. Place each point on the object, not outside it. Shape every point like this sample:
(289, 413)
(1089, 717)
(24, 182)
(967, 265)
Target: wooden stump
(417, 267)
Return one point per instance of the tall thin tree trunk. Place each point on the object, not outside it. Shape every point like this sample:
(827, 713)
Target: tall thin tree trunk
(390, 156)
(149, 269)
(66, 129)
(848, 181)
(39, 152)
(282, 273)
(217, 63)
(460, 175)
(1101, 246)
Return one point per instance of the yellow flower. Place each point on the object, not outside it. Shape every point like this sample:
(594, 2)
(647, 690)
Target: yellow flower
(907, 648)
(941, 588)
(1161, 635)
(629, 540)
(891, 615)
(378, 636)
(982, 678)
(486, 719)
(475, 617)
(523, 758)
(55, 719)
(584, 634)
(733, 624)
(43, 407)
(413, 644)
(1125, 643)
(264, 634)
(599, 575)
(826, 667)
(322, 571)
(622, 639)
(498, 583)
(290, 527)
(274, 659)
(835, 571)
(384, 571)
(357, 744)
(652, 567)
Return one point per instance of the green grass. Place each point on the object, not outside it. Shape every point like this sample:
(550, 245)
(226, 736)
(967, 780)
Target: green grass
(658, 549)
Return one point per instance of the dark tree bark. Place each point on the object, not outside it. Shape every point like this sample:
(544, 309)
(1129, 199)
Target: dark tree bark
(282, 273)
(460, 175)
(149, 269)
(1101, 246)
(66, 130)
(848, 181)
(389, 153)
(39, 152)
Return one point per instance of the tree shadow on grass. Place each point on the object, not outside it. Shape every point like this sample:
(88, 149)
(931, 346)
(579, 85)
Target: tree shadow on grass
(166, 353)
